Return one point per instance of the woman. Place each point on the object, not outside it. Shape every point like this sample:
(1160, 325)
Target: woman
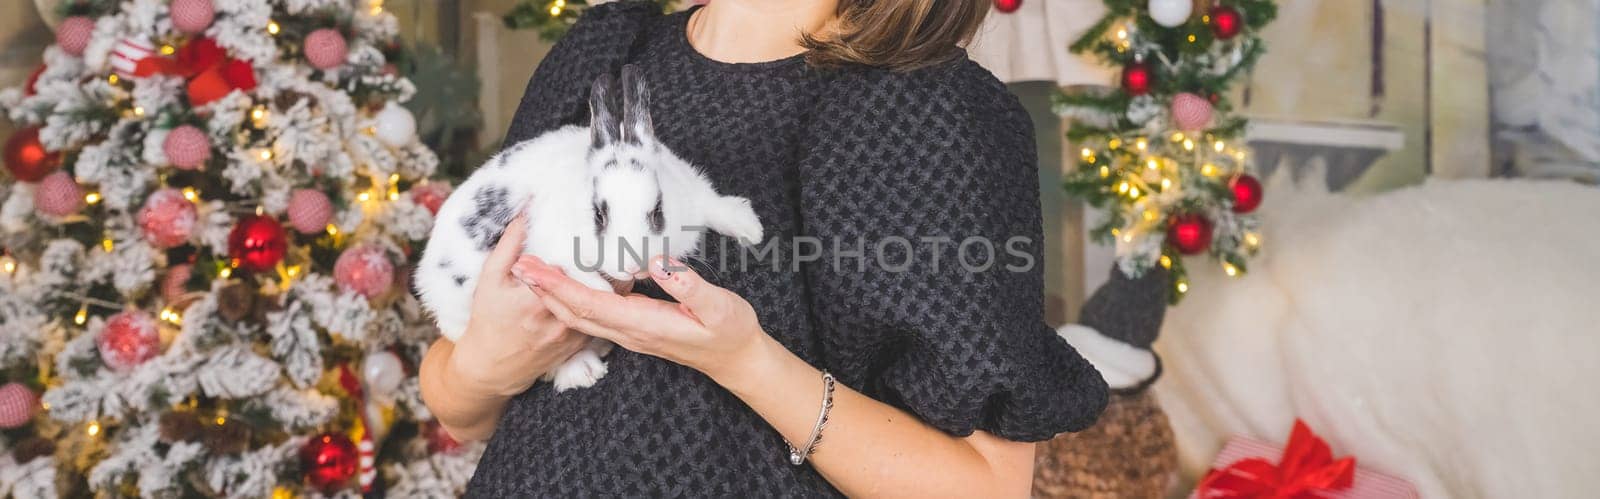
(847, 123)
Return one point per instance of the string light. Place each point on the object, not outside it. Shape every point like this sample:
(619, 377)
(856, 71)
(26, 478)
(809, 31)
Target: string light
(222, 420)
(1218, 146)
(113, 79)
(1087, 153)
(190, 194)
(1153, 164)
(1166, 262)
(91, 198)
(8, 264)
(273, 28)
(1151, 215)
(364, 197)
(1166, 183)
(1191, 38)
(138, 110)
(557, 6)
(1140, 144)
(333, 230)
(1105, 171)
(108, 245)
(258, 116)
(1252, 240)
(225, 273)
(1122, 188)
(1188, 145)
(266, 154)
(82, 316)
(1114, 144)
(1208, 170)
(93, 429)
(168, 50)
(1229, 269)
(376, 7)
(1133, 193)
(1177, 137)
(1183, 287)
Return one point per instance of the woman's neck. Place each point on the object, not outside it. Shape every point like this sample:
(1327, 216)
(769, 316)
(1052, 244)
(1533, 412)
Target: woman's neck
(756, 30)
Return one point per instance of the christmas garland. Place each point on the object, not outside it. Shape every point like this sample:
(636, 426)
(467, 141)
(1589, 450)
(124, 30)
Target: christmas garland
(552, 18)
(1160, 155)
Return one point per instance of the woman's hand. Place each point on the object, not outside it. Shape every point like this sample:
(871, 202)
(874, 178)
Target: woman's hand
(510, 341)
(710, 329)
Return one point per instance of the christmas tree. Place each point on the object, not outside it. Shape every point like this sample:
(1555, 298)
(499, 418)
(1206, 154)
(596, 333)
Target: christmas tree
(1161, 155)
(207, 219)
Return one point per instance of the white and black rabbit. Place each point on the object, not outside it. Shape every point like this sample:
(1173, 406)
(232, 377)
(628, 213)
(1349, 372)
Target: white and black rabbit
(607, 194)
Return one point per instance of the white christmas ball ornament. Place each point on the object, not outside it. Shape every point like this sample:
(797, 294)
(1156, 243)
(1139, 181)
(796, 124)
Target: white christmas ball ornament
(383, 372)
(1171, 13)
(395, 125)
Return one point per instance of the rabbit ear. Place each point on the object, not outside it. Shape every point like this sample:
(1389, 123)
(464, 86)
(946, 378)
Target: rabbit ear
(603, 126)
(636, 126)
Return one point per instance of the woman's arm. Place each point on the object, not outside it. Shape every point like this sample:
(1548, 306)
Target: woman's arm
(869, 448)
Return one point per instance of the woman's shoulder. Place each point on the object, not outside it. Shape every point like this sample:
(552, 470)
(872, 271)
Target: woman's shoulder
(951, 102)
(958, 88)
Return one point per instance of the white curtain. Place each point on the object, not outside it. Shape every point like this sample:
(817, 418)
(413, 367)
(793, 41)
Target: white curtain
(1031, 43)
(1544, 69)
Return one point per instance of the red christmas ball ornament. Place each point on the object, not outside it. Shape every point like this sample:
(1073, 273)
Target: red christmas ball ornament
(1190, 233)
(58, 195)
(1137, 78)
(431, 195)
(1191, 112)
(175, 284)
(329, 461)
(325, 48)
(1007, 6)
(1247, 193)
(365, 270)
(192, 16)
(18, 405)
(186, 147)
(26, 157)
(167, 218)
(129, 338)
(1226, 22)
(309, 211)
(439, 439)
(73, 34)
(257, 243)
(33, 79)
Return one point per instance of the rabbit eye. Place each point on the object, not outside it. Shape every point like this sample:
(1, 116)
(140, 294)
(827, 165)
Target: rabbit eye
(658, 220)
(600, 217)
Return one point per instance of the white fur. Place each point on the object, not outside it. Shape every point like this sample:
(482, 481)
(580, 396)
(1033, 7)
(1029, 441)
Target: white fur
(1122, 365)
(561, 178)
(1445, 333)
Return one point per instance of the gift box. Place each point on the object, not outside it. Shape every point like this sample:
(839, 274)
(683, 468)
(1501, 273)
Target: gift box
(1302, 469)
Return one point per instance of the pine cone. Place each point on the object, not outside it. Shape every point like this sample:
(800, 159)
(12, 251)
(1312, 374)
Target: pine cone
(180, 426)
(235, 301)
(230, 437)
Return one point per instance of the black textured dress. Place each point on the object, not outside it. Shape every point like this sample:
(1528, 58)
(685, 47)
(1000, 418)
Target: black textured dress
(851, 158)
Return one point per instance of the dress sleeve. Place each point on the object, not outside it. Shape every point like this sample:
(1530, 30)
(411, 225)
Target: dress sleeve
(942, 159)
(601, 41)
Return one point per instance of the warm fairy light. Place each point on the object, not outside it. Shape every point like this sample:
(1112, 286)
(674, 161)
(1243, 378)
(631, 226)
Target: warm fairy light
(168, 50)
(1166, 183)
(1127, 238)
(1238, 155)
(292, 271)
(1208, 170)
(138, 110)
(258, 116)
(1153, 164)
(1122, 34)
(91, 198)
(1087, 153)
(1191, 38)
(1252, 240)
(190, 194)
(1177, 137)
(376, 6)
(266, 154)
(1151, 215)
(1133, 193)
(1115, 231)
(222, 420)
(113, 79)
(1122, 188)
(172, 316)
(82, 316)
(225, 273)
(1229, 269)
(1105, 171)
(364, 197)
(260, 210)
(1188, 145)
(1166, 262)
(281, 492)
(1218, 146)
(108, 245)
(1140, 144)
(1114, 143)
(1183, 287)
(272, 27)
(394, 195)
(333, 230)
(8, 264)
(93, 429)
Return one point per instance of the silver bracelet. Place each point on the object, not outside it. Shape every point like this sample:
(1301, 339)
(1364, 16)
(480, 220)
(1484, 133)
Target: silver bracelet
(798, 456)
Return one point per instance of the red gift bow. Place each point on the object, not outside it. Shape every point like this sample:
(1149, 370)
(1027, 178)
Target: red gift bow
(1306, 469)
(211, 73)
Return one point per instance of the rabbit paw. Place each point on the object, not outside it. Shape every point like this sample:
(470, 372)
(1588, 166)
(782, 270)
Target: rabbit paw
(581, 371)
(737, 220)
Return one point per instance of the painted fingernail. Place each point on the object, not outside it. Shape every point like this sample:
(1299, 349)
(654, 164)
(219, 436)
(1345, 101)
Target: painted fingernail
(659, 269)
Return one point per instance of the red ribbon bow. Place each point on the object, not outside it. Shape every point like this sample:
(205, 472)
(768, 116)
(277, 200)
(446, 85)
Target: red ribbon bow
(212, 74)
(1306, 470)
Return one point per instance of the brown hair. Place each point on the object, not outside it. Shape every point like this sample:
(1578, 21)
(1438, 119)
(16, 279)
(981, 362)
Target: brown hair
(896, 34)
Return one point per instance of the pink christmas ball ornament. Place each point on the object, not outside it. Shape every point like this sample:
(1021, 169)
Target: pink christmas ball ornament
(309, 211)
(187, 147)
(192, 16)
(1191, 112)
(167, 218)
(73, 34)
(58, 195)
(129, 339)
(325, 48)
(431, 195)
(18, 405)
(173, 286)
(364, 270)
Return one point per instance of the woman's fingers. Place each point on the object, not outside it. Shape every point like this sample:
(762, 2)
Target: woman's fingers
(705, 301)
(505, 252)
